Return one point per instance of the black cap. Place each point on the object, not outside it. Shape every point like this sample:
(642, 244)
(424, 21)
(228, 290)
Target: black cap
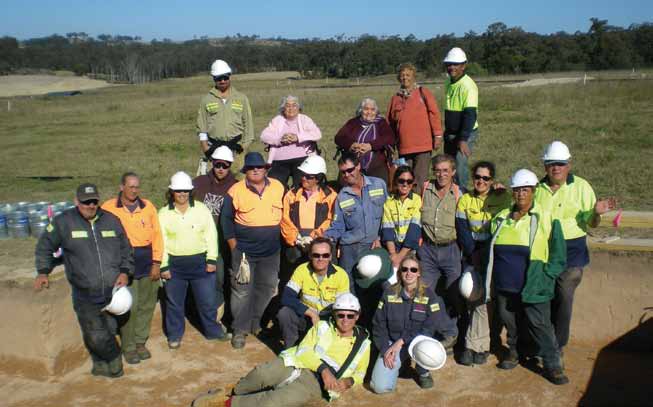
(87, 191)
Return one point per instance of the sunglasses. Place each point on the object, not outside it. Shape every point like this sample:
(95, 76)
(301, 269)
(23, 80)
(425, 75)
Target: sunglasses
(182, 191)
(90, 202)
(348, 316)
(255, 167)
(320, 255)
(403, 181)
(405, 269)
(482, 177)
(451, 64)
(309, 176)
(347, 170)
(221, 78)
(555, 164)
(221, 165)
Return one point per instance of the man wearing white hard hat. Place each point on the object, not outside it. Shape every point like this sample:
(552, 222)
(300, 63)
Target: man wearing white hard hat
(224, 116)
(331, 359)
(460, 112)
(97, 257)
(211, 189)
(189, 261)
(570, 199)
(526, 254)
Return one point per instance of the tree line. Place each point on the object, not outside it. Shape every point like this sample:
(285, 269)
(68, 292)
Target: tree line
(498, 50)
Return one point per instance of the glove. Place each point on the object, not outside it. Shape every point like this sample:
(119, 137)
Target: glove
(243, 275)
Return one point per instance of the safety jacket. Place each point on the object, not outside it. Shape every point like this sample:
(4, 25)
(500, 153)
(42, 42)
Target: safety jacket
(473, 216)
(323, 348)
(548, 251)
(225, 120)
(302, 216)
(357, 219)
(304, 291)
(95, 252)
(460, 107)
(401, 221)
(400, 317)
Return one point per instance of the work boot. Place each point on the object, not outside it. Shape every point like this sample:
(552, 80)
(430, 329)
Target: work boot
(238, 341)
(214, 398)
(511, 361)
(224, 338)
(556, 376)
(115, 367)
(100, 368)
(174, 345)
(143, 353)
(425, 381)
(449, 343)
(480, 358)
(466, 358)
(131, 357)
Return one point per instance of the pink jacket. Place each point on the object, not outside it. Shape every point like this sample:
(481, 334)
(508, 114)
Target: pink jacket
(308, 134)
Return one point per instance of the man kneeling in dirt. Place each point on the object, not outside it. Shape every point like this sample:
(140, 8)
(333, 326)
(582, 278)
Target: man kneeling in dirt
(97, 257)
(332, 358)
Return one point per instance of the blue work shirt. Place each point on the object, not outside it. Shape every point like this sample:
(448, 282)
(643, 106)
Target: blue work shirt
(358, 219)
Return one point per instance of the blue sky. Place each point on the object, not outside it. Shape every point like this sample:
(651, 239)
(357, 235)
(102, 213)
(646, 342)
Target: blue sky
(181, 20)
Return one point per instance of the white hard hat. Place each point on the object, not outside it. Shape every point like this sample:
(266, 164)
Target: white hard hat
(556, 151)
(313, 165)
(523, 178)
(369, 266)
(181, 182)
(121, 301)
(470, 284)
(219, 67)
(347, 302)
(455, 56)
(223, 153)
(427, 352)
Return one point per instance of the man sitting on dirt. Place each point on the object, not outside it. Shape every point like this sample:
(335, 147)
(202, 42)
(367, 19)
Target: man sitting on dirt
(570, 199)
(140, 219)
(97, 257)
(313, 287)
(331, 359)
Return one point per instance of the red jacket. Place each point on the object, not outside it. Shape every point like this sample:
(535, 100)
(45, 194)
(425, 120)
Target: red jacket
(415, 122)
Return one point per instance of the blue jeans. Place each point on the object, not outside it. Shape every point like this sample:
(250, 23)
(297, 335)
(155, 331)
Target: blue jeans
(451, 148)
(384, 380)
(190, 271)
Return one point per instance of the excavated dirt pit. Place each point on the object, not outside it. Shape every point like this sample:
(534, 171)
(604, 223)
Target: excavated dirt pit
(609, 362)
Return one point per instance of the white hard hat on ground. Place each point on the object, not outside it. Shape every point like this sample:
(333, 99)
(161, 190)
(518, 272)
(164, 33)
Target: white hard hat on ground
(523, 178)
(347, 302)
(556, 152)
(455, 56)
(223, 153)
(219, 67)
(121, 301)
(313, 165)
(427, 352)
(181, 182)
(470, 284)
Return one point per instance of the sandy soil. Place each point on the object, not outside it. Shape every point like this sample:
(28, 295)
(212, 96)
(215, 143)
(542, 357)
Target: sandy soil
(26, 85)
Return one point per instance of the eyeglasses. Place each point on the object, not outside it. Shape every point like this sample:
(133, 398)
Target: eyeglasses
(347, 170)
(405, 269)
(309, 176)
(90, 202)
(182, 191)
(555, 164)
(348, 316)
(221, 78)
(320, 255)
(482, 177)
(403, 181)
(222, 165)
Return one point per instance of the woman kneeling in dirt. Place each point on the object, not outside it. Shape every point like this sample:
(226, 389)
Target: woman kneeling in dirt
(526, 254)
(331, 359)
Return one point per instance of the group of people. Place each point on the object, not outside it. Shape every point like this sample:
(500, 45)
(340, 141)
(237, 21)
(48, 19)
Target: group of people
(393, 259)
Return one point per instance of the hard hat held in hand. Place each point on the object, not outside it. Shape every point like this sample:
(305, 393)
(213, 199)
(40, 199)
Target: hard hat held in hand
(470, 284)
(523, 178)
(121, 301)
(219, 67)
(556, 152)
(455, 56)
(427, 352)
(369, 266)
(313, 165)
(347, 302)
(181, 182)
